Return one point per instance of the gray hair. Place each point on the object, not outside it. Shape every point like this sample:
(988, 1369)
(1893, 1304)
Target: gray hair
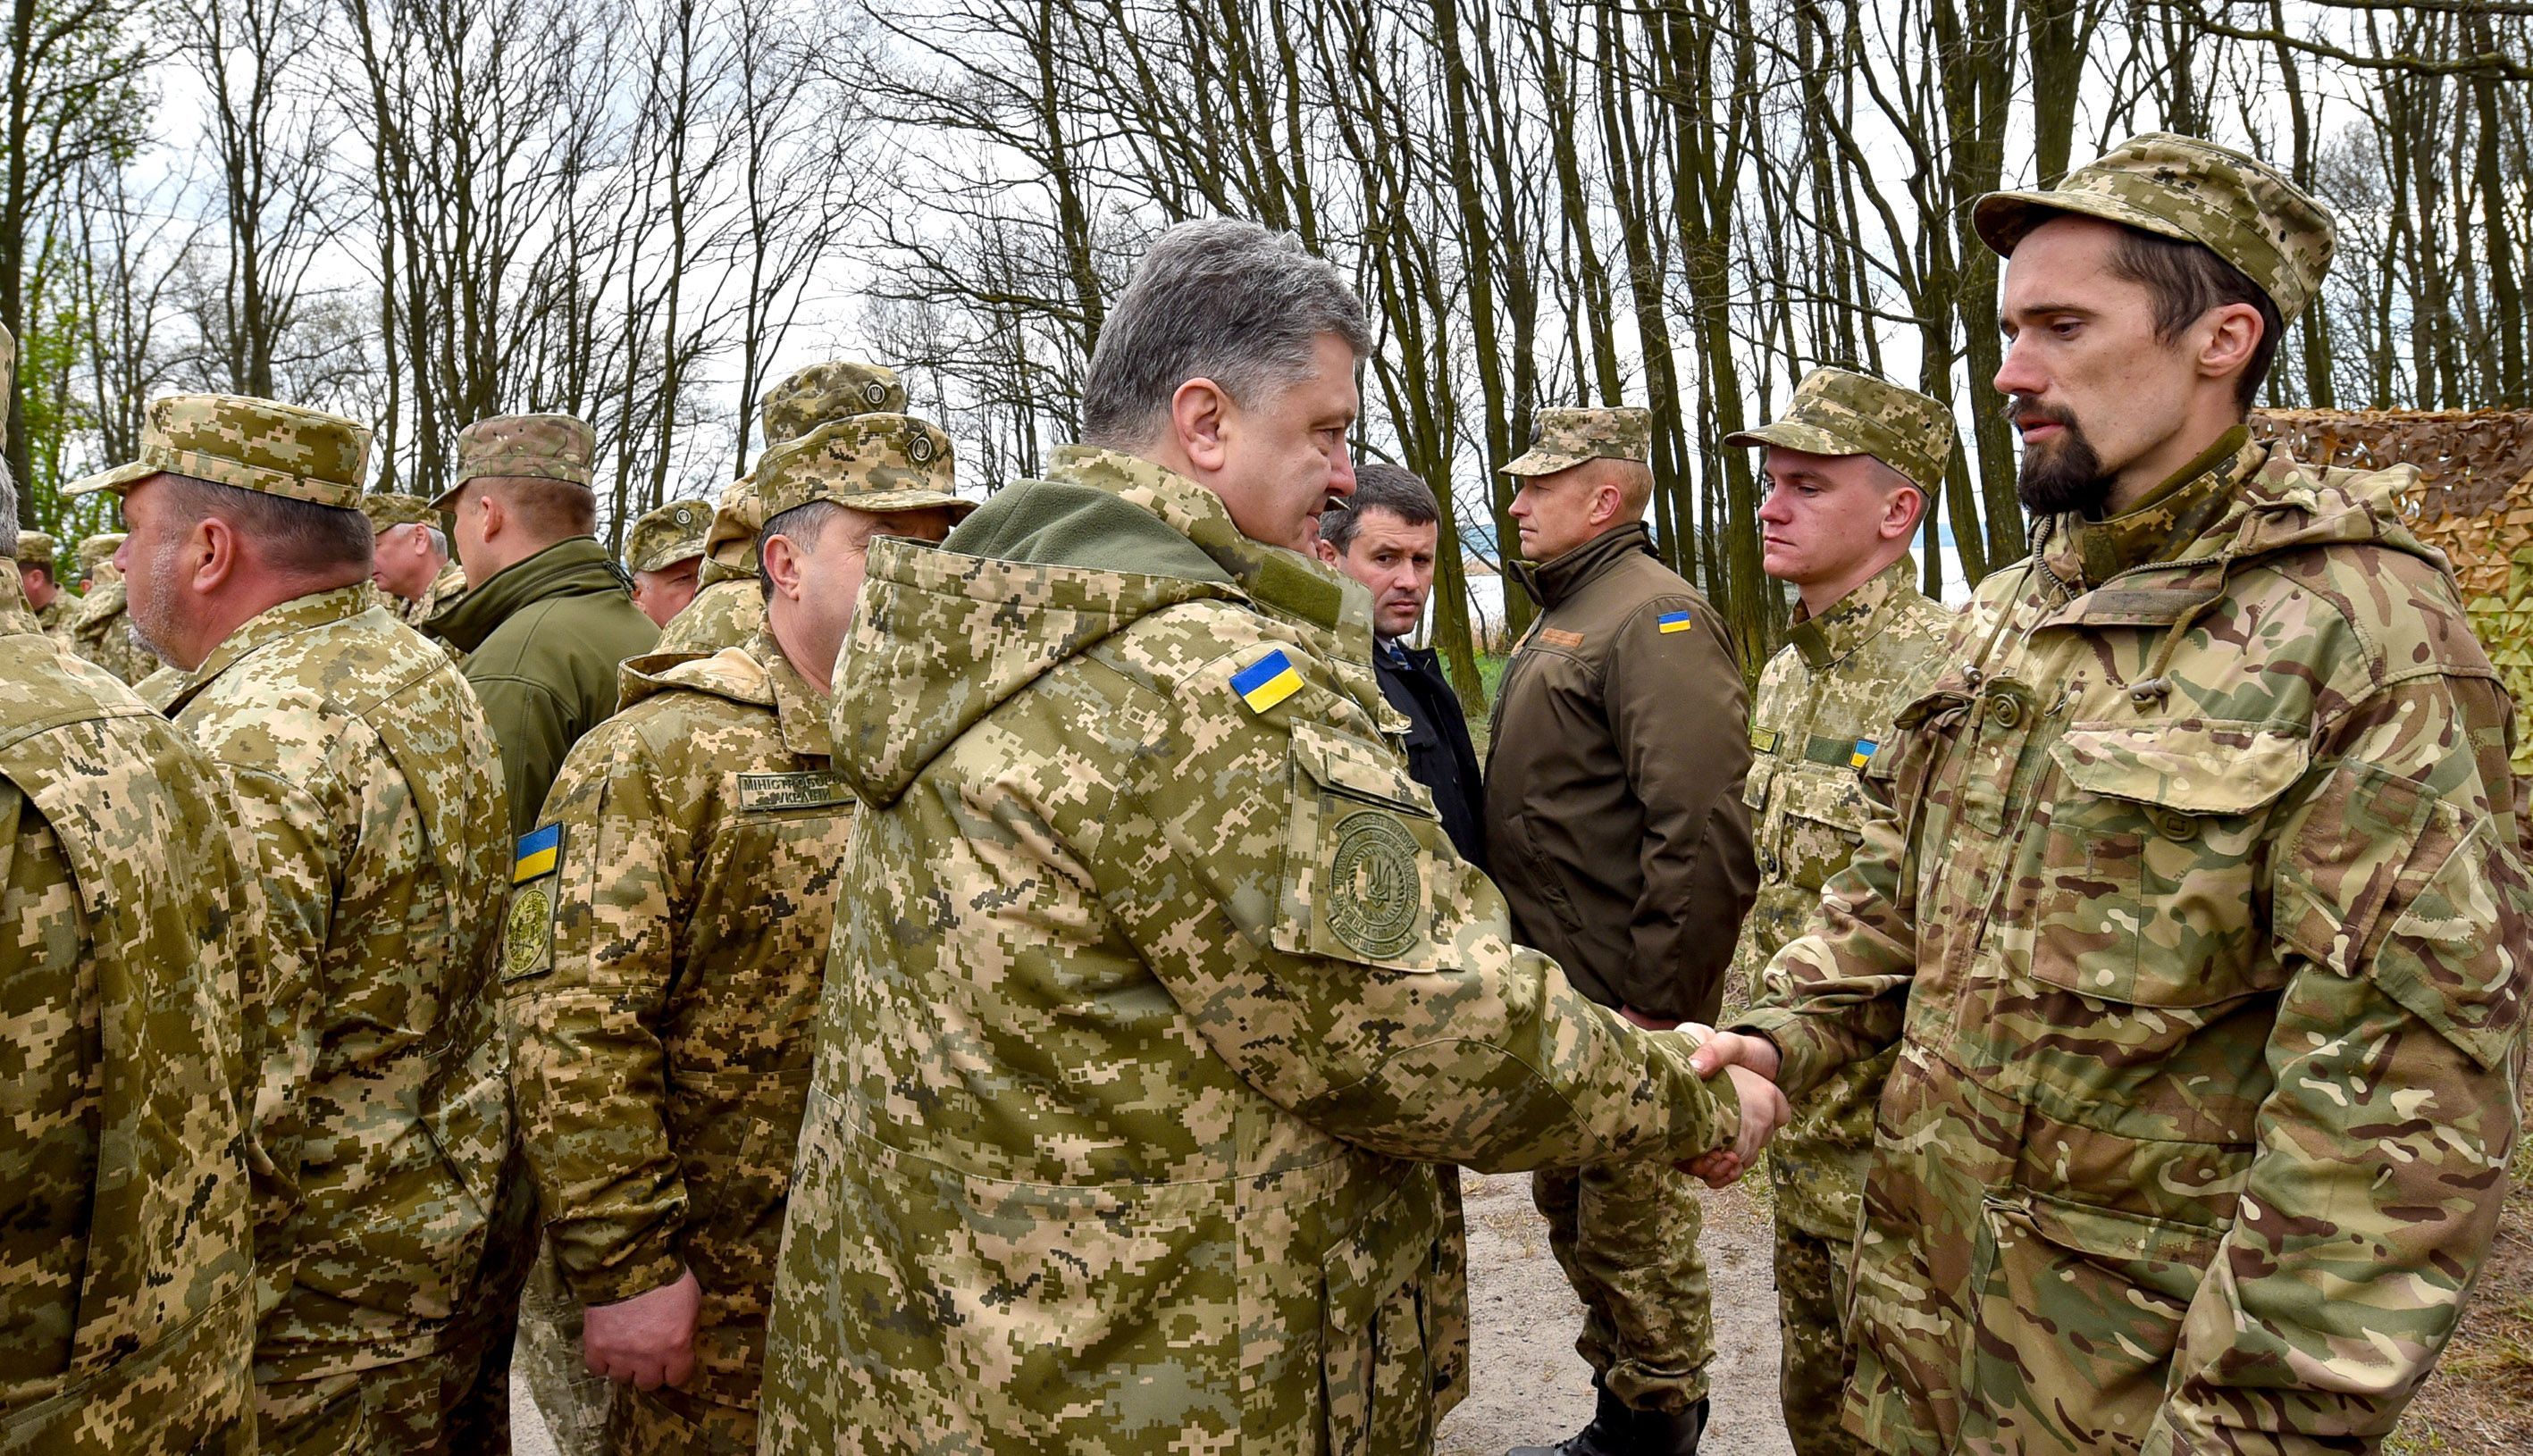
(8, 508)
(1219, 300)
(1391, 488)
(298, 537)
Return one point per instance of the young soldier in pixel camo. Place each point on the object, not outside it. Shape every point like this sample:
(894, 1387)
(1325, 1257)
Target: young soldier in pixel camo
(665, 551)
(127, 1283)
(668, 935)
(1850, 469)
(410, 562)
(730, 608)
(2194, 914)
(365, 774)
(1159, 982)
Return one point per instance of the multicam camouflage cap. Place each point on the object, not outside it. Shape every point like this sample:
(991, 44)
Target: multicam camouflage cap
(2179, 186)
(1840, 412)
(544, 448)
(35, 549)
(871, 462)
(253, 445)
(823, 393)
(96, 551)
(664, 537)
(1562, 439)
(740, 515)
(387, 509)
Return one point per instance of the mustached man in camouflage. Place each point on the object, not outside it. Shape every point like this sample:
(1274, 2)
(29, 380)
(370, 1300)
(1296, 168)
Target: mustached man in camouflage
(2193, 912)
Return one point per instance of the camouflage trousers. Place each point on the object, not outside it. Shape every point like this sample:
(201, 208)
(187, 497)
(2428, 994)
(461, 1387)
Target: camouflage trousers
(672, 1422)
(1626, 1234)
(573, 1400)
(389, 1410)
(1818, 1361)
(481, 1336)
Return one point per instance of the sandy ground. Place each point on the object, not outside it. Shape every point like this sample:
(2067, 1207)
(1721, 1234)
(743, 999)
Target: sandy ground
(1527, 1386)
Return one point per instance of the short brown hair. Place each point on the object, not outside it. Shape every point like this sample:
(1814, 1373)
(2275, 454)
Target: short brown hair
(2186, 279)
(549, 510)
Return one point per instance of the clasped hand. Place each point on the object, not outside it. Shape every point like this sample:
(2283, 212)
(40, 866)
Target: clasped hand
(1752, 1064)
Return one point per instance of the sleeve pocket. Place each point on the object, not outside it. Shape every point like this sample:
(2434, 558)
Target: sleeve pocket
(1360, 858)
(2442, 962)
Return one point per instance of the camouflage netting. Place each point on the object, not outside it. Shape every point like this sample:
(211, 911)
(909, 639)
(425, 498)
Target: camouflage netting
(2474, 501)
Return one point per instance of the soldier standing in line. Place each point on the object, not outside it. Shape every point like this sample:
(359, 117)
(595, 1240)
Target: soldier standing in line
(102, 630)
(363, 773)
(1615, 829)
(41, 583)
(665, 551)
(410, 560)
(668, 940)
(1160, 988)
(731, 608)
(1850, 469)
(127, 1275)
(2194, 914)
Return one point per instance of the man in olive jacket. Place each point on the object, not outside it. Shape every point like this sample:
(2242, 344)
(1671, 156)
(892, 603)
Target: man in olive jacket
(1615, 829)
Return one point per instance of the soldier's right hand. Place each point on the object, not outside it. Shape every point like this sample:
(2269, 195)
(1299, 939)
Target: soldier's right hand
(1764, 1110)
(647, 1341)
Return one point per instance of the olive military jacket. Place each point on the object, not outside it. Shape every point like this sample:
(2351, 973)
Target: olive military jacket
(541, 641)
(364, 771)
(127, 1314)
(1615, 766)
(663, 976)
(1823, 710)
(2194, 914)
(1158, 981)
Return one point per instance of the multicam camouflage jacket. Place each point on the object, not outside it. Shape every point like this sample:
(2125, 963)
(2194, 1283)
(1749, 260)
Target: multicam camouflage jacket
(661, 975)
(2195, 919)
(127, 1309)
(729, 609)
(102, 635)
(1824, 706)
(1159, 978)
(363, 770)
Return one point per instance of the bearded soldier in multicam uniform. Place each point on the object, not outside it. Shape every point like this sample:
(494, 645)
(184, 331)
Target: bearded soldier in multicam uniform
(1159, 982)
(1850, 469)
(666, 944)
(730, 608)
(2193, 914)
(413, 568)
(127, 1289)
(361, 770)
(102, 630)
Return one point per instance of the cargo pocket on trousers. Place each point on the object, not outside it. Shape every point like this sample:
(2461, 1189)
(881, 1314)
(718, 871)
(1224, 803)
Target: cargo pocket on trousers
(1375, 1360)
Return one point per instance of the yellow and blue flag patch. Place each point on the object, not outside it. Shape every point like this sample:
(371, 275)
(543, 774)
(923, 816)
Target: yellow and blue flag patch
(1863, 753)
(1674, 621)
(1266, 682)
(540, 850)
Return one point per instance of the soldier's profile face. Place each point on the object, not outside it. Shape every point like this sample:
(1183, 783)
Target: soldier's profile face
(665, 592)
(1395, 560)
(1824, 515)
(1286, 455)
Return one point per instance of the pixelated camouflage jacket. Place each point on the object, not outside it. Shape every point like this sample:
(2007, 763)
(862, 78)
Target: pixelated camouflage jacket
(662, 979)
(1158, 976)
(101, 632)
(363, 769)
(436, 598)
(1824, 706)
(16, 616)
(2195, 919)
(725, 613)
(55, 617)
(127, 1309)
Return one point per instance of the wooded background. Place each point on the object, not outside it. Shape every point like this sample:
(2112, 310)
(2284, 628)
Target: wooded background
(641, 212)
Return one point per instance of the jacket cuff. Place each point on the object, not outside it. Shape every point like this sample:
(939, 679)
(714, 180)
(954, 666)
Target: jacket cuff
(645, 1264)
(1801, 1060)
(1723, 1115)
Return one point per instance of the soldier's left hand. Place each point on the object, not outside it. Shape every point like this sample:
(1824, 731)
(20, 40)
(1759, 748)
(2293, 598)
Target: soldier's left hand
(647, 1341)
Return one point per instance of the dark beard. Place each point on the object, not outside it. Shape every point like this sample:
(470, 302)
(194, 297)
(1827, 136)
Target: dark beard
(2064, 475)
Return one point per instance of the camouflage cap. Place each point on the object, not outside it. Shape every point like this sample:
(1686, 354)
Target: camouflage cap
(35, 549)
(1562, 439)
(823, 393)
(387, 509)
(96, 551)
(740, 515)
(2179, 186)
(253, 445)
(1840, 412)
(544, 448)
(872, 462)
(664, 537)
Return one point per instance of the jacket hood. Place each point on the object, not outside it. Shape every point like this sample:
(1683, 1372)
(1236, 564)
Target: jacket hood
(755, 674)
(577, 568)
(1045, 572)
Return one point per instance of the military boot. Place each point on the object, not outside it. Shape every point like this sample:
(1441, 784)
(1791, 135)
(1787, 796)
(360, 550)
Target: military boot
(1668, 1433)
(1611, 1433)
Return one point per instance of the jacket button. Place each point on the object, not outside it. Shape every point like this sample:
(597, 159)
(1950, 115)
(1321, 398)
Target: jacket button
(2174, 825)
(2007, 711)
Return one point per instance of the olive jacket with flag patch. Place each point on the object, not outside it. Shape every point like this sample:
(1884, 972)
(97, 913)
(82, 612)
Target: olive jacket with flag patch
(1615, 821)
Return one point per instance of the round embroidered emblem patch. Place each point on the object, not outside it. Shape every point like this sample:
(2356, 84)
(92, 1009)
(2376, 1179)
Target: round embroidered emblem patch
(875, 391)
(531, 917)
(919, 449)
(1374, 891)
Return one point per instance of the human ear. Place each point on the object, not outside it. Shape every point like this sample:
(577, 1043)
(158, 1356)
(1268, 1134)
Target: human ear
(1199, 419)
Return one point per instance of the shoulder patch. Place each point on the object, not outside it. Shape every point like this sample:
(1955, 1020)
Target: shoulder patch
(1863, 753)
(1266, 682)
(1674, 621)
(1558, 638)
(540, 854)
(527, 936)
(816, 788)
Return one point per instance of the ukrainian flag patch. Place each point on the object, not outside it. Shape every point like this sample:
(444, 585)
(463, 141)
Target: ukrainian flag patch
(1863, 753)
(540, 850)
(1266, 682)
(1674, 621)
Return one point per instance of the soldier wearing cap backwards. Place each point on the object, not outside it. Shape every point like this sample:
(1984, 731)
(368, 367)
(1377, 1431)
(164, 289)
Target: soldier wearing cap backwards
(127, 1275)
(410, 562)
(1160, 986)
(729, 607)
(668, 949)
(40, 580)
(1850, 469)
(363, 771)
(2193, 914)
(1615, 828)
(664, 550)
(101, 632)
